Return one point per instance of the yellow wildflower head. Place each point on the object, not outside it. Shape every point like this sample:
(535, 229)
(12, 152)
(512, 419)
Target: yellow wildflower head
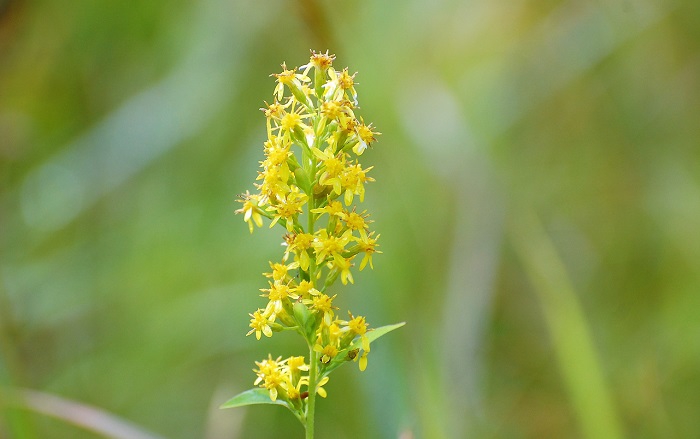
(358, 325)
(251, 210)
(295, 364)
(368, 244)
(366, 136)
(345, 80)
(280, 272)
(270, 376)
(321, 61)
(327, 352)
(260, 324)
(306, 289)
(287, 76)
(273, 110)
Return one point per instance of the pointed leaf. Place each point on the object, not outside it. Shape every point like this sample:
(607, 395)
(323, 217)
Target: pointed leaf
(376, 333)
(251, 397)
(372, 335)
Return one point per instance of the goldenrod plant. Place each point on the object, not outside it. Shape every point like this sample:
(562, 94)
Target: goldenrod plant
(311, 183)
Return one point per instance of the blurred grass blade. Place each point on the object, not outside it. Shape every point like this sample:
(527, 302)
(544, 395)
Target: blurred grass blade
(568, 329)
(82, 415)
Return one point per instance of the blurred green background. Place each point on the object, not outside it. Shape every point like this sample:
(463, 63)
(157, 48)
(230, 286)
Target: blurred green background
(537, 194)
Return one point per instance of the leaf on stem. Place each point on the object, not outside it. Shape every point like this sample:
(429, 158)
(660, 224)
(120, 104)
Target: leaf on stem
(372, 335)
(251, 397)
(376, 333)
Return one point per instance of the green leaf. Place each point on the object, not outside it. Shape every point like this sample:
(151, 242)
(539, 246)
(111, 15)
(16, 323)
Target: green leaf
(372, 335)
(375, 334)
(302, 179)
(251, 397)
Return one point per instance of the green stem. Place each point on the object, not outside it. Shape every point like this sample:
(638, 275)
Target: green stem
(311, 402)
(313, 355)
(311, 220)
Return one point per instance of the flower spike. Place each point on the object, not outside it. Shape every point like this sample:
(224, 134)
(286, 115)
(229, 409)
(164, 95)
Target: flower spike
(311, 183)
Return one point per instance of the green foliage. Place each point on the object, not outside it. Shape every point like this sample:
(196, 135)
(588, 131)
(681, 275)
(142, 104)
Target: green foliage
(252, 397)
(342, 357)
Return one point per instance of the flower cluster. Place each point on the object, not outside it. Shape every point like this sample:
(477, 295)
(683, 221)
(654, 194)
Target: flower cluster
(310, 183)
(284, 376)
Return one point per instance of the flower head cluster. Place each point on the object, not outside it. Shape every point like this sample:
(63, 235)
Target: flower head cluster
(310, 183)
(283, 377)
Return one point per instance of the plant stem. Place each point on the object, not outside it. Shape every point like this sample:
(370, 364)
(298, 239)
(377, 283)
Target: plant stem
(311, 403)
(313, 355)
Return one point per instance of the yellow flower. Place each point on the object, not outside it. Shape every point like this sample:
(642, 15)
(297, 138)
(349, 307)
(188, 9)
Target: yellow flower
(280, 271)
(353, 180)
(341, 84)
(292, 80)
(294, 390)
(356, 221)
(299, 244)
(250, 210)
(323, 304)
(321, 61)
(332, 166)
(306, 289)
(273, 111)
(327, 352)
(274, 184)
(332, 208)
(288, 207)
(339, 111)
(260, 324)
(365, 137)
(319, 387)
(278, 294)
(295, 364)
(277, 152)
(334, 332)
(368, 244)
(358, 326)
(290, 125)
(328, 246)
(270, 376)
(266, 367)
(292, 369)
(343, 265)
(347, 81)
(331, 109)
(290, 121)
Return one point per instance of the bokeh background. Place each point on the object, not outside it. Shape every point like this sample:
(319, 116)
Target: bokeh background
(537, 194)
